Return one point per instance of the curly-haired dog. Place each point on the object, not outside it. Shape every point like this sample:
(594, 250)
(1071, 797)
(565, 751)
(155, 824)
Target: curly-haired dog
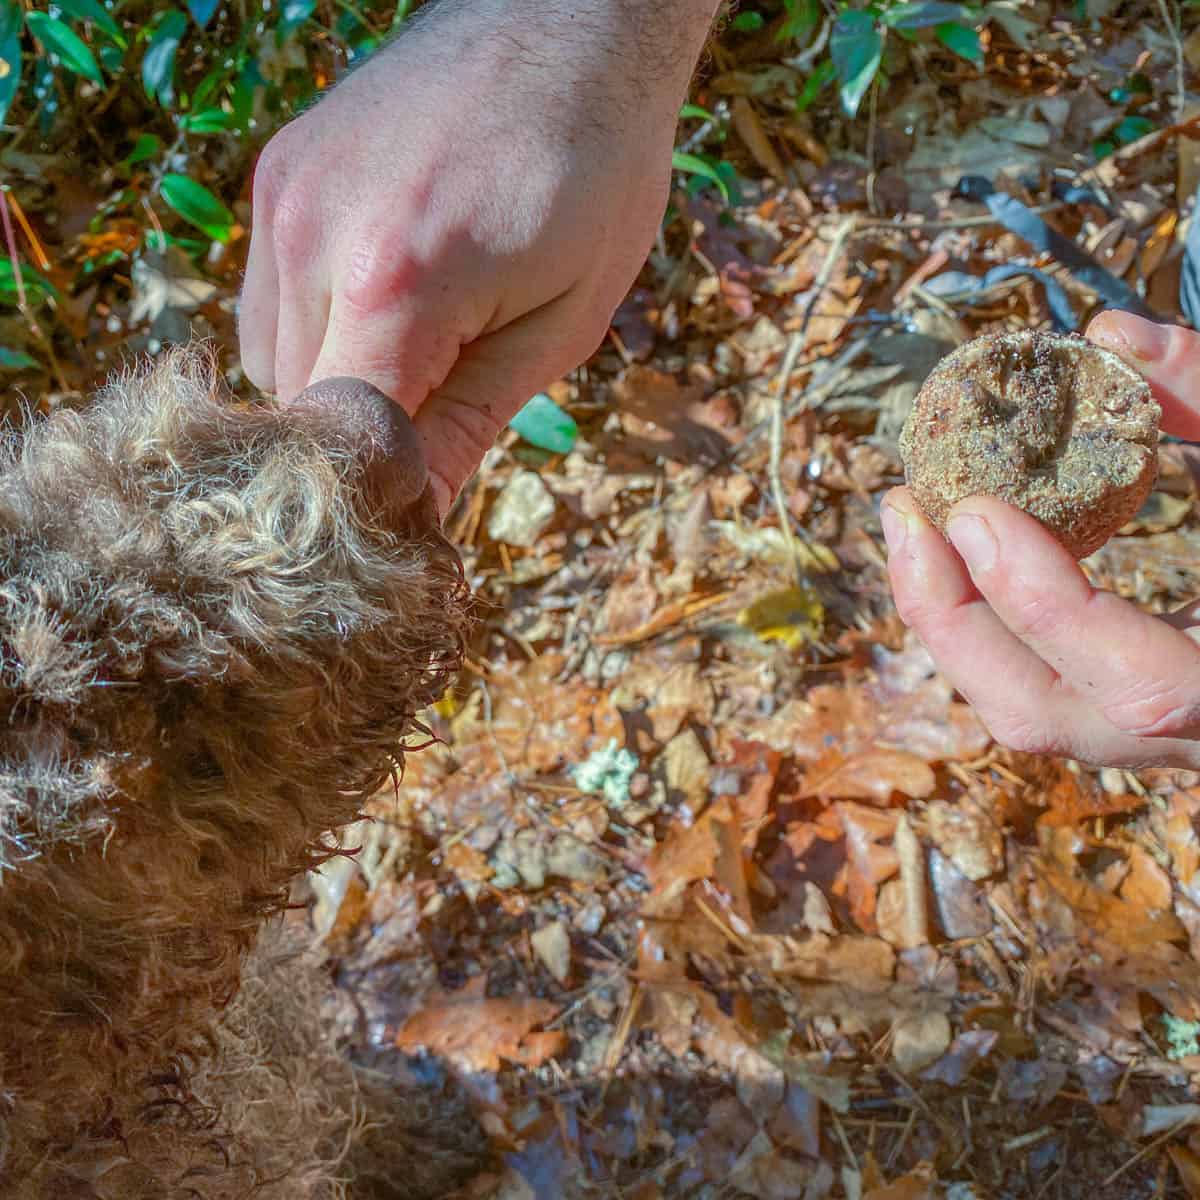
(217, 625)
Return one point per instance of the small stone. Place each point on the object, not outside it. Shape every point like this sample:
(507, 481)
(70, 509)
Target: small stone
(920, 1040)
(522, 510)
(552, 944)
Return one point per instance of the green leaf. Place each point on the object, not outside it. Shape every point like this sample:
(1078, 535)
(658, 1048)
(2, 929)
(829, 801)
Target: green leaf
(94, 14)
(691, 164)
(202, 10)
(11, 16)
(542, 423)
(207, 120)
(695, 110)
(158, 63)
(60, 39)
(814, 85)
(145, 148)
(747, 22)
(1132, 128)
(198, 206)
(15, 360)
(924, 14)
(801, 20)
(963, 41)
(856, 48)
(37, 287)
(10, 71)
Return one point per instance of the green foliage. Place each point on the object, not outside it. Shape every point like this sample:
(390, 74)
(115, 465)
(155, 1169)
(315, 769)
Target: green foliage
(543, 424)
(859, 37)
(64, 44)
(198, 206)
(158, 84)
(856, 50)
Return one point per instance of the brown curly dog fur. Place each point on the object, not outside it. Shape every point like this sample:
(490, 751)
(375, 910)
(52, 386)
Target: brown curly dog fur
(217, 625)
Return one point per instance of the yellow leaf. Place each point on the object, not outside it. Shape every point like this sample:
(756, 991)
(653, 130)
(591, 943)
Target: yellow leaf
(793, 616)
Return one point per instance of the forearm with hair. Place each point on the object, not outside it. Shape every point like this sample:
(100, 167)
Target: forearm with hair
(655, 43)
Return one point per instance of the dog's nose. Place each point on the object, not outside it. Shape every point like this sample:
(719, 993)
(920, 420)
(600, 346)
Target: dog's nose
(395, 473)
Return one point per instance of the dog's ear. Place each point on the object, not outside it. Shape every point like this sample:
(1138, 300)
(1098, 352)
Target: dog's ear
(395, 473)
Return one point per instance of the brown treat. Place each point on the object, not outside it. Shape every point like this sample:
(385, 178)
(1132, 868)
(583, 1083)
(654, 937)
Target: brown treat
(1049, 423)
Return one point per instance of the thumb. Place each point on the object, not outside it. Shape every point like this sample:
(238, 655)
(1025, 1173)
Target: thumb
(1167, 356)
(492, 380)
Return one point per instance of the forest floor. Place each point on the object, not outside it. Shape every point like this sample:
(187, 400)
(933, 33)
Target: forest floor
(712, 886)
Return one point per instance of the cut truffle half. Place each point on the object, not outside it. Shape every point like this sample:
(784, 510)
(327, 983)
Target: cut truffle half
(1050, 423)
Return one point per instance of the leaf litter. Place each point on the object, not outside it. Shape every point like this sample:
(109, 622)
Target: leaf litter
(711, 886)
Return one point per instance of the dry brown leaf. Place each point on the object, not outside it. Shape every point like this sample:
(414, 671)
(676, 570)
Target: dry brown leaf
(1147, 885)
(1187, 1166)
(870, 775)
(868, 864)
(477, 1033)
(918, 1184)
(750, 129)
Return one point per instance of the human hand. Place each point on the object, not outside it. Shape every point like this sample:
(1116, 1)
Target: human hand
(458, 219)
(1051, 664)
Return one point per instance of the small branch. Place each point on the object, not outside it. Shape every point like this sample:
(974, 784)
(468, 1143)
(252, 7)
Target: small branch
(797, 343)
(1173, 32)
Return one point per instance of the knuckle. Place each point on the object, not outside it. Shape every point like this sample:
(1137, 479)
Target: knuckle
(294, 227)
(376, 272)
(271, 172)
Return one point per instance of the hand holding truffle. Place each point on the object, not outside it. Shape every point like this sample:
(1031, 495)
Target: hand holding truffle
(1051, 664)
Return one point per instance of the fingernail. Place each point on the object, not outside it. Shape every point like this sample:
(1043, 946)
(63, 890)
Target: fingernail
(895, 527)
(1141, 338)
(974, 540)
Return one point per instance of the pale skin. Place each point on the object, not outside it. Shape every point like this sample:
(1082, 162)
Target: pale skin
(457, 220)
(1050, 663)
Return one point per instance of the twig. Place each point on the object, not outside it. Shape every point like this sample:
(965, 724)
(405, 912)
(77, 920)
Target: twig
(785, 373)
(1147, 1149)
(14, 257)
(918, 224)
(1176, 42)
(915, 923)
(826, 376)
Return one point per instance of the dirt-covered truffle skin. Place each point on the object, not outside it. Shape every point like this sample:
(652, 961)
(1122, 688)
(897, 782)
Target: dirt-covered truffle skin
(1050, 423)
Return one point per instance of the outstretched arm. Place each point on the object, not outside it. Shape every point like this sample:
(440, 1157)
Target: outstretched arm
(458, 219)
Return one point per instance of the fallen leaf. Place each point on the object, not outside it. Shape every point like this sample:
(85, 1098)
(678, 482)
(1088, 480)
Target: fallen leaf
(793, 616)
(477, 1033)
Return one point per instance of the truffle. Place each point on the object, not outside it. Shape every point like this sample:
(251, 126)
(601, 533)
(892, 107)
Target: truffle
(1050, 423)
